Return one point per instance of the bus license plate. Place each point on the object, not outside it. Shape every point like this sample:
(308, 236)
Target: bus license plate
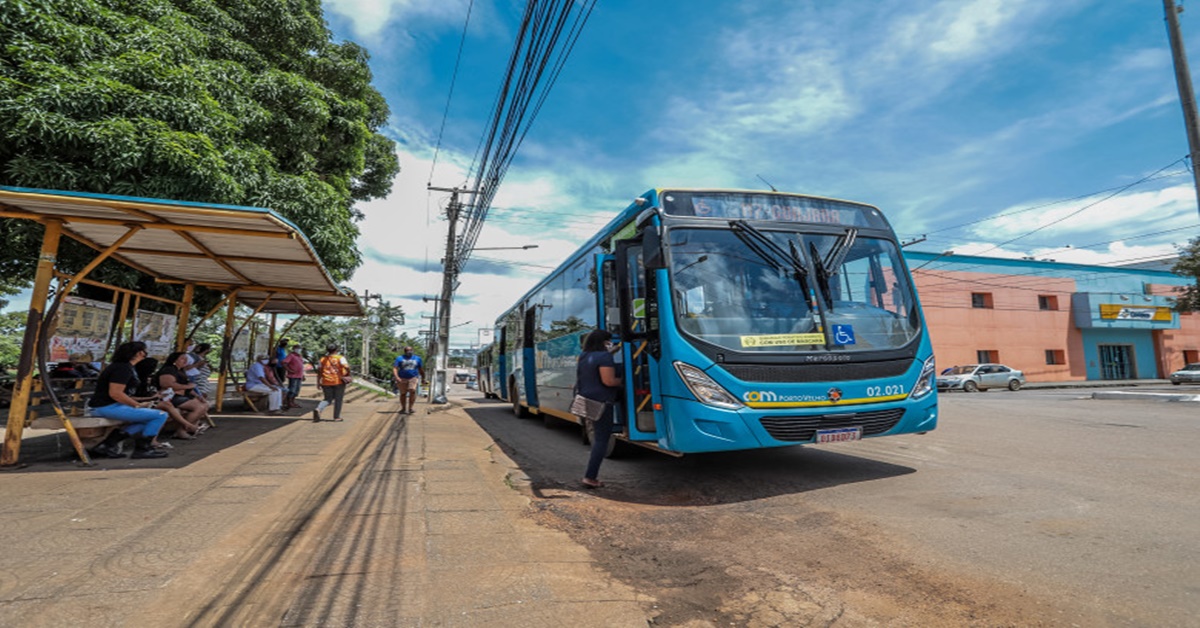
(840, 435)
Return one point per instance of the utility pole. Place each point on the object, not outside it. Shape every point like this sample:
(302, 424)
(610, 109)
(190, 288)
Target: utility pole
(437, 389)
(1187, 97)
(368, 328)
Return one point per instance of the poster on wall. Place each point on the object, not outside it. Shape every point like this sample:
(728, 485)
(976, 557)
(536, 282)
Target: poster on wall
(157, 330)
(81, 330)
(239, 356)
(262, 345)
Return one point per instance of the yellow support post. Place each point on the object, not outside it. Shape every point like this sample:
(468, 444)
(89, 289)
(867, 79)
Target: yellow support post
(185, 311)
(226, 349)
(271, 336)
(37, 305)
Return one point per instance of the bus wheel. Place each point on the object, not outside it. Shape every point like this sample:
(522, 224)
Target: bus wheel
(519, 411)
(612, 450)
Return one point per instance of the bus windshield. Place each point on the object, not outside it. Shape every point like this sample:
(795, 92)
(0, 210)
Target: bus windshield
(769, 290)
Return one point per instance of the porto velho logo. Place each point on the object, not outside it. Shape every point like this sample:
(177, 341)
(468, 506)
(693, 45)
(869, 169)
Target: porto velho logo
(767, 396)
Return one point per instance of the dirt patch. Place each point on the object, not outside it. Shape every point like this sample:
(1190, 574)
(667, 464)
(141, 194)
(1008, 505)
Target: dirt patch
(751, 565)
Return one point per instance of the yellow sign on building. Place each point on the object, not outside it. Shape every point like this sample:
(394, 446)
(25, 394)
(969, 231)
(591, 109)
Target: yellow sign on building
(1113, 311)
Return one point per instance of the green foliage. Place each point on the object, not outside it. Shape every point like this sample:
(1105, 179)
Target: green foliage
(12, 334)
(244, 102)
(1189, 266)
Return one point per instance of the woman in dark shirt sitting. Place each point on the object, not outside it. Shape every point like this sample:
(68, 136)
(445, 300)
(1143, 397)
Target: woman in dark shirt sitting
(113, 401)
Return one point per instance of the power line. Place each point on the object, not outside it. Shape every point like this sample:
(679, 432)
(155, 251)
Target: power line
(453, 80)
(1082, 209)
(539, 38)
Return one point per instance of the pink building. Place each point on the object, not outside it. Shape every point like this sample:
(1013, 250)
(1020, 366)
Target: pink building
(1055, 322)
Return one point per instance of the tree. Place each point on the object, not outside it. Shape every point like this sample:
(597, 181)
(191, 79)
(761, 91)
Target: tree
(1189, 266)
(12, 329)
(243, 102)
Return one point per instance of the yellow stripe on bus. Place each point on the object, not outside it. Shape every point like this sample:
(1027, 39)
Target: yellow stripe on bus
(813, 404)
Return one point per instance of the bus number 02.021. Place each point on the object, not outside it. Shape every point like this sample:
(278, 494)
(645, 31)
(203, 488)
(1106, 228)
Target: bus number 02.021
(884, 391)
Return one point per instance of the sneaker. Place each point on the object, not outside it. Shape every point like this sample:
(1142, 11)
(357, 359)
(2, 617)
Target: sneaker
(148, 453)
(316, 417)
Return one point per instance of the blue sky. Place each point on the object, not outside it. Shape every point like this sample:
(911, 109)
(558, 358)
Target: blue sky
(969, 122)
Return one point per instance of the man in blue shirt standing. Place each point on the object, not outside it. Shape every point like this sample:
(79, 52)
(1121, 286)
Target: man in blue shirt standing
(408, 371)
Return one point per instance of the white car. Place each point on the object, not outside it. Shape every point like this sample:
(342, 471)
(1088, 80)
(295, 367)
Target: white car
(973, 377)
(1190, 374)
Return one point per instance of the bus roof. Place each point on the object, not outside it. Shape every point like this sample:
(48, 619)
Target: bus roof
(650, 199)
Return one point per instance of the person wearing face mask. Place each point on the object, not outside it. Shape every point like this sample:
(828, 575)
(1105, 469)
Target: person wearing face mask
(258, 381)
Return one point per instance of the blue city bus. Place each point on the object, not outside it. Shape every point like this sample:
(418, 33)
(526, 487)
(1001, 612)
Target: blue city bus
(745, 319)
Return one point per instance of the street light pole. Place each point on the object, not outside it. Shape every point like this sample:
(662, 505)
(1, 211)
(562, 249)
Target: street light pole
(367, 331)
(1187, 97)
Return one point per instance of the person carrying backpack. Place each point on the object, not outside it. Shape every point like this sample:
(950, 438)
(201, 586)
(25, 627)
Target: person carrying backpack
(332, 376)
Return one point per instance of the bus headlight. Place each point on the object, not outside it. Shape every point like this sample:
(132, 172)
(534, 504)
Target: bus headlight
(926, 382)
(705, 389)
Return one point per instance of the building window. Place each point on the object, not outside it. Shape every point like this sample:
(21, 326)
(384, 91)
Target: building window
(981, 300)
(1055, 356)
(1047, 302)
(987, 356)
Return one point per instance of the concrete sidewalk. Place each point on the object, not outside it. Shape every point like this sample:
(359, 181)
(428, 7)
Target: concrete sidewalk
(380, 520)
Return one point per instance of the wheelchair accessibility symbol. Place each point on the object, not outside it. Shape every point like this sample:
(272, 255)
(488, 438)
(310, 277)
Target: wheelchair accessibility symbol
(843, 334)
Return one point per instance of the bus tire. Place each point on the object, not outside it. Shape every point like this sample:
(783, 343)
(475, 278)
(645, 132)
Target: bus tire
(519, 411)
(613, 450)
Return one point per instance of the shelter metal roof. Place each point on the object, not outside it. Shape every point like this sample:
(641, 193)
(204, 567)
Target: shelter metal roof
(224, 247)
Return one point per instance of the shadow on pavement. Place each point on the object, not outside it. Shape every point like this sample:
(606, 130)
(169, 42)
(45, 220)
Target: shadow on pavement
(53, 451)
(647, 477)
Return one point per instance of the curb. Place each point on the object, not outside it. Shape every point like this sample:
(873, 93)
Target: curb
(1117, 394)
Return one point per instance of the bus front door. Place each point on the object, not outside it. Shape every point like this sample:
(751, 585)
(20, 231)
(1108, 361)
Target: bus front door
(622, 301)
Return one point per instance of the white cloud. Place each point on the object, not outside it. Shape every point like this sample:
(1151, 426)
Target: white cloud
(1164, 208)
(369, 18)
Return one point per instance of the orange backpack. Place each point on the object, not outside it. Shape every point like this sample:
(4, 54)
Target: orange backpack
(333, 371)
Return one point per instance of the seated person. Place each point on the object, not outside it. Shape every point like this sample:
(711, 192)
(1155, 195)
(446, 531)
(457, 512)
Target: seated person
(199, 369)
(260, 378)
(171, 376)
(148, 394)
(83, 365)
(112, 401)
(65, 370)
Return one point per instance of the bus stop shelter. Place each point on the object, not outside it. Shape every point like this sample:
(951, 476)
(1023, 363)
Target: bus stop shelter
(252, 255)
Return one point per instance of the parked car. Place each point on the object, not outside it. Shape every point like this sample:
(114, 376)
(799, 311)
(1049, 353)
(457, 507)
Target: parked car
(1190, 374)
(973, 377)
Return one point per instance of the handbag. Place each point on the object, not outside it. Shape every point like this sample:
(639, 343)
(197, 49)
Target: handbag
(587, 408)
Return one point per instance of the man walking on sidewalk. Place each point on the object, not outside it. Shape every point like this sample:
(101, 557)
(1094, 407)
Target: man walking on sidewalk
(408, 371)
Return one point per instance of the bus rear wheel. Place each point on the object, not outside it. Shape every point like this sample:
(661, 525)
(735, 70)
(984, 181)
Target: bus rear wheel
(519, 411)
(614, 449)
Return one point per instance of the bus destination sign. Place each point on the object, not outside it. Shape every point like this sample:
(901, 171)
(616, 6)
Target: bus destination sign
(776, 207)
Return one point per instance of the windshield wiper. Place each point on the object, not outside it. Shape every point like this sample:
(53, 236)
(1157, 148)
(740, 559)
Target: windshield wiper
(768, 250)
(831, 264)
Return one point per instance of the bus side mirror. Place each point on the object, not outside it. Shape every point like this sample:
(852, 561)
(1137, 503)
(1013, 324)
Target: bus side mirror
(653, 257)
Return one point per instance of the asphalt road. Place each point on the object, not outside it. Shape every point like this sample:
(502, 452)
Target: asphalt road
(1035, 507)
